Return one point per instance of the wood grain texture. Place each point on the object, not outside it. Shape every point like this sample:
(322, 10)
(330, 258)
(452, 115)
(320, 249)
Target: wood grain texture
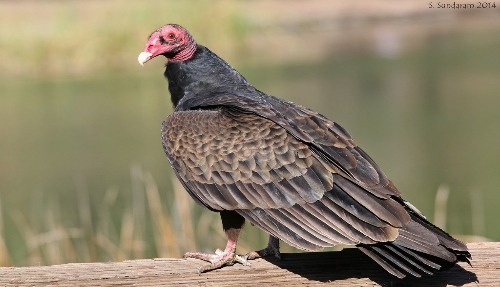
(345, 268)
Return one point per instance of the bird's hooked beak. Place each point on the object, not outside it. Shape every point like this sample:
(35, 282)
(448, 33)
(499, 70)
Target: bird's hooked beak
(144, 57)
(152, 49)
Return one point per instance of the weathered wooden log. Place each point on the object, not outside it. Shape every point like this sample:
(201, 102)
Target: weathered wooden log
(348, 267)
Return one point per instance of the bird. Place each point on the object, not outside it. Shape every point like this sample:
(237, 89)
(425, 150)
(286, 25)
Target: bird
(284, 168)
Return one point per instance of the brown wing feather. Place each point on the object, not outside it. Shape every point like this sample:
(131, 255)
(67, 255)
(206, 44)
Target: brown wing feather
(254, 166)
(323, 136)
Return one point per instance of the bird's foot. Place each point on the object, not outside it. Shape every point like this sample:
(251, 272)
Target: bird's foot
(272, 249)
(266, 252)
(218, 260)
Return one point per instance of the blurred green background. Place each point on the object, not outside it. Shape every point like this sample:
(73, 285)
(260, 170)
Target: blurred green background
(83, 176)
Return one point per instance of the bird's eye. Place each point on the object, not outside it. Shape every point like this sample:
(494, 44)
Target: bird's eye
(171, 36)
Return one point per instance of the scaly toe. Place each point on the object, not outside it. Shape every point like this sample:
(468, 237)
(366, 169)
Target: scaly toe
(243, 260)
(216, 264)
(202, 256)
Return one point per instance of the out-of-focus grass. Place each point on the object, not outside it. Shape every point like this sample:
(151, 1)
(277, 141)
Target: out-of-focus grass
(106, 231)
(143, 228)
(64, 38)
(68, 38)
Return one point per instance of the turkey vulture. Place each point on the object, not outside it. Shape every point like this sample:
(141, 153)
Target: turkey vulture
(287, 169)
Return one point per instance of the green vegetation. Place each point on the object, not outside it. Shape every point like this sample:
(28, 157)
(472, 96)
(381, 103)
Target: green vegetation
(75, 38)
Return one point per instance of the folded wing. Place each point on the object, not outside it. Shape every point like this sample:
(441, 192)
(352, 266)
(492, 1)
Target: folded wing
(241, 161)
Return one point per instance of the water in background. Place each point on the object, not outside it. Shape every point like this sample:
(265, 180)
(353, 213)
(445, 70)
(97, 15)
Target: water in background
(429, 117)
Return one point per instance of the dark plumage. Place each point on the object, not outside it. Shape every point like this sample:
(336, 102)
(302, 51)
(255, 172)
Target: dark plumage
(287, 169)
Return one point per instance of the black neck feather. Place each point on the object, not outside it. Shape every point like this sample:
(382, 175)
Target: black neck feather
(204, 72)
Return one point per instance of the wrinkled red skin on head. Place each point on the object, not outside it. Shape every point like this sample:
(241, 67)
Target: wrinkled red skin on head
(172, 41)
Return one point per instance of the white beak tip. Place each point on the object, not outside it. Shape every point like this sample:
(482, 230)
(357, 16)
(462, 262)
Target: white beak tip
(144, 57)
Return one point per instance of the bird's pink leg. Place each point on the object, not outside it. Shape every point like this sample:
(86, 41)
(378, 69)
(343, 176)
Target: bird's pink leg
(221, 258)
(272, 249)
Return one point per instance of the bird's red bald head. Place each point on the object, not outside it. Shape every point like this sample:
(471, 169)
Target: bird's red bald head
(173, 41)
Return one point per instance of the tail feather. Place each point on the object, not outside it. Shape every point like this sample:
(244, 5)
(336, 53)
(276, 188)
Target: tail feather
(414, 261)
(420, 258)
(421, 248)
(391, 268)
(396, 263)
